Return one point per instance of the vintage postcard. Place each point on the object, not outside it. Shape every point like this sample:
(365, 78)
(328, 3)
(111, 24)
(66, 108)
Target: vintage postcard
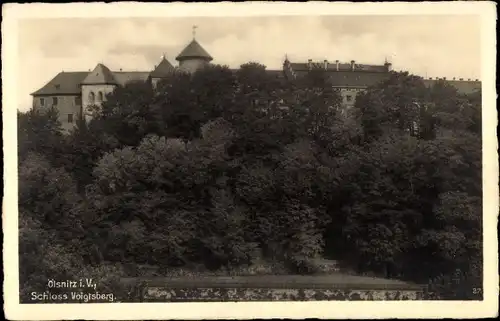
(250, 160)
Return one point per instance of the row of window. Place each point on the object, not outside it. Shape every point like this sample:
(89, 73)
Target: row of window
(78, 101)
(100, 97)
(348, 89)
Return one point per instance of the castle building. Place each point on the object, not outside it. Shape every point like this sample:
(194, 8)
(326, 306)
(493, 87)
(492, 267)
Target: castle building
(352, 78)
(73, 92)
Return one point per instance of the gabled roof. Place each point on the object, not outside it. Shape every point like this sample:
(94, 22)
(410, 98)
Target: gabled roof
(100, 75)
(271, 72)
(357, 79)
(164, 69)
(68, 83)
(332, 66)
(65, 83)
(123, 77)
(276, 73)
(463, 86)
(194, 50)
(351, 78)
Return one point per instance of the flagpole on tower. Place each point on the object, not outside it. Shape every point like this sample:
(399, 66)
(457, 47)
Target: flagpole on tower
(194, 32)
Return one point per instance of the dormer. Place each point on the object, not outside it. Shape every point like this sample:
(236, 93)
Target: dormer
(101, 75)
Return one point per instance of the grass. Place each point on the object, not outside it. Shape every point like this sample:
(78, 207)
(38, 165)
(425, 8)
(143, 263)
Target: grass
(263, 274)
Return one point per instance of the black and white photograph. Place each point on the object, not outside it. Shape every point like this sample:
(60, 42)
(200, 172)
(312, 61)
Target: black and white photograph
(173, 155)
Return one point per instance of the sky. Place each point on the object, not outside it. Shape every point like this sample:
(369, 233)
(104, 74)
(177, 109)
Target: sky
(429, 46)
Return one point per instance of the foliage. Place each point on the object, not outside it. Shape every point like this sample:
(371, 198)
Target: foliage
(221, 167)
(40, 132)
(47, 195)
(49, 229)
(417, 210)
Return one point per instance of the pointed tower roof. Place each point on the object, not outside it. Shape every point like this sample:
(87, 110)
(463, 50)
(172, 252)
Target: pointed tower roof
(194, 50)
(100, 75)
(163, 69)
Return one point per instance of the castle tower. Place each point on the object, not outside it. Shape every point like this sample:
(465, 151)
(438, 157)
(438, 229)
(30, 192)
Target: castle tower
(193, 56)
(98, 83)
(163, 70)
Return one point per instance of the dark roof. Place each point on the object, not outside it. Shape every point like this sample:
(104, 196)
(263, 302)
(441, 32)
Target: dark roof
(276, 73)
(272, 72)
(357, 79)
(362, 76)
(165, 68)
(332, 66)
(68, 83)
(194, 50)
(352, 78)
(100, 75)
(123, 77)
(65, 83)
(463, 86)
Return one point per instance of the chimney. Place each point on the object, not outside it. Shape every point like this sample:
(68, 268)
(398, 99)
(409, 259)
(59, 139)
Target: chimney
(444, 78)
(309, 64)
(352, 65)
(337, 63)
(326, 64)
(461, 79)
(477, 79)
(468, 79)
(430, 78)
(453, 78)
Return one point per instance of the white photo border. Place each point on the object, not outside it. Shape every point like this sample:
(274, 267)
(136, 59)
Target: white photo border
(12, 13)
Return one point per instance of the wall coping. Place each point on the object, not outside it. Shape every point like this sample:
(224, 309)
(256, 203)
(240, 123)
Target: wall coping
(340, 282)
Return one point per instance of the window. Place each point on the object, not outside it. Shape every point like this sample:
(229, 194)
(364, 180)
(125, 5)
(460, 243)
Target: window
(99, 96)
(54, 101)
(91, 98)
(78, 101)
(42, 102)
(70, 118)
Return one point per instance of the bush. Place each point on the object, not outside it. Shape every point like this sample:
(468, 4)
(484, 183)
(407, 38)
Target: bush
(459, 285)
(214, 168)
(42, 256)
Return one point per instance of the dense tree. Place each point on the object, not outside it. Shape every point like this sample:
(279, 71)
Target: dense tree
(392, 105)
(49, 229)
(127, 114)
(214, 167)
(83, 147)
(47, 194)
(186, 101)
(414, 177)
(40, 132)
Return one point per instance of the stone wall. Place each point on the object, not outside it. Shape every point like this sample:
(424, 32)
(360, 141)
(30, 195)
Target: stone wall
(270, 288)
(191, 65)
(166, 294)
(66, 105)
(349, 96)
(87, 89)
